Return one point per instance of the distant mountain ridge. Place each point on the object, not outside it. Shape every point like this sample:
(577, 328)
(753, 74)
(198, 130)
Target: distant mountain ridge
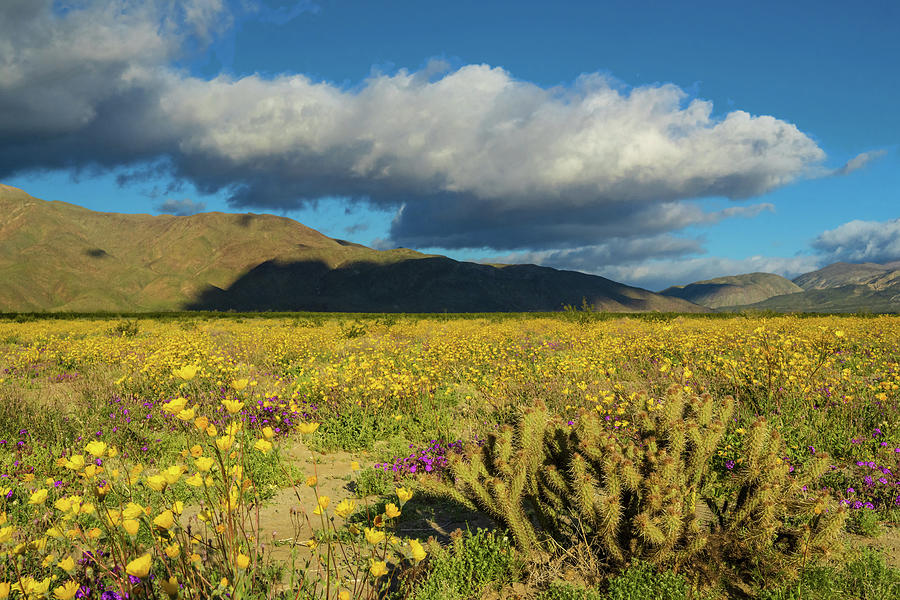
(839, 287)
(734, 290)
(62, 257)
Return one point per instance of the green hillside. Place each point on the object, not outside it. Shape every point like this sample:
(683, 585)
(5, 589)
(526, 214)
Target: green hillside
(735, 290)
(62, 257)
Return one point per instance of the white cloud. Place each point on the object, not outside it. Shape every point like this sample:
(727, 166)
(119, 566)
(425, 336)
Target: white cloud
(476, 157)
(861, 241)
(658, 275)
(859, 161)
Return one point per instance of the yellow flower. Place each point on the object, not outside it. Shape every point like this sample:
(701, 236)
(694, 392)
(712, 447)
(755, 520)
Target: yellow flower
(172, 474)
(264, 446)
(139, 567)
(418, 551)
(378, 568)
(67, 564)
(186, 415)
(133, 511)
(204, 463)
(224, 443)
(4, 589)
(186, 372)
(156, 482)
(38, 497)
(232, 406)
(403, 494)
(196, 451)
(391, 511)
(268, 432)
(75, 463)
(131, 526)
(239, 384)
(97, 448)
(373, 536)
(170, 586)
(211, 431)
(322, 504)
(241, 561)
(201, 423)
(173, 550)
(6, 534)
(178, 507)
(307, 427)
(344, 595)
(165, 520)
(66, 591)
(354, 466)
(173, 407)
(312, 480)
(194, 480)
(344, 508)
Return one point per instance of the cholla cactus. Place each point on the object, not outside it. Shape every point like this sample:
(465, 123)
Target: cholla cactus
(776, 521)
(637, 493)
(498, 477)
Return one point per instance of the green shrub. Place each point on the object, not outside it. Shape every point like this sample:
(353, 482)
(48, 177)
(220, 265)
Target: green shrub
(641, 581)
(567, 591)
(373, 482)
(465, 568)
(866, 577)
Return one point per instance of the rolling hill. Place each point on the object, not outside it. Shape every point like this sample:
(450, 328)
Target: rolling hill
(841, 287)
(57, 256)
(735, 290)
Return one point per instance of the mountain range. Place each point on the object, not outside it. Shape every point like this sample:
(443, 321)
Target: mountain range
(56, 256)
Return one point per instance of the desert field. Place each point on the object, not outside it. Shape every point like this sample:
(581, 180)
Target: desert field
(556, 457)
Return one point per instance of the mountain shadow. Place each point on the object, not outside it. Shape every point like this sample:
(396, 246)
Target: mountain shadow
(431, 284)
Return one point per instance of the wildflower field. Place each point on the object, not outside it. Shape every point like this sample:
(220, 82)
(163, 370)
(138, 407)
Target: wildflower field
(569, 456)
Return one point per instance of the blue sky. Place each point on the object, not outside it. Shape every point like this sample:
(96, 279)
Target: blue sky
(654, 143)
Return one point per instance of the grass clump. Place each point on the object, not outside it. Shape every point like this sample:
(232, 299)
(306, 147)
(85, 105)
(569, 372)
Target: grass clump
(866, 577)
(467, 567)
(641, 580)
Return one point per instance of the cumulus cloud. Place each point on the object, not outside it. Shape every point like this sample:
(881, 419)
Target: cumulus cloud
(861, 241)
(181, 208)
(471, 157)
(859, 161)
